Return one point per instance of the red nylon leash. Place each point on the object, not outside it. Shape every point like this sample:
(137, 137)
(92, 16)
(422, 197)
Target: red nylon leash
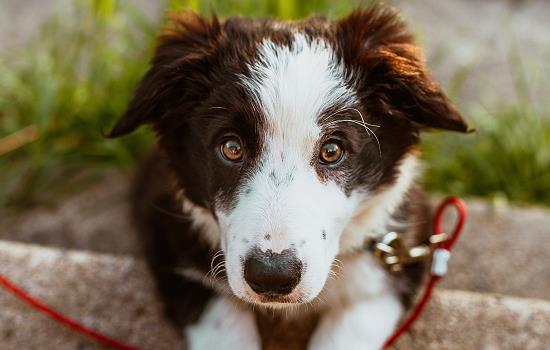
(435, 275)
(439, 263)
(62, 319)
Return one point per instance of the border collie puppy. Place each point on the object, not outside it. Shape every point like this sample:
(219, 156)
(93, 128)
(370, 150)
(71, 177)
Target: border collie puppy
(285, 150)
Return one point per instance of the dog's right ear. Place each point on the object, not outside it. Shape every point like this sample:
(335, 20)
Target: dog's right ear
(187, 40)
(376, 41)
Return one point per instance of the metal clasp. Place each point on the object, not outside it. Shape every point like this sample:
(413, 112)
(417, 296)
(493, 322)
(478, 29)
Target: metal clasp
(393, 254)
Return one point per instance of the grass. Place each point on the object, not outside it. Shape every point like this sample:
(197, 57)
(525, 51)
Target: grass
(70, 82)
(73, 80)
(506, 158)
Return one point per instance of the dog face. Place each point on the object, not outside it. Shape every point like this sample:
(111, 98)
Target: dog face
(299, 139)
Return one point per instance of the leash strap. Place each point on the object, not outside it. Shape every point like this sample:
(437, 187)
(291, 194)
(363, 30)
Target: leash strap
(62, 319)
(439, 268)
(440, 259)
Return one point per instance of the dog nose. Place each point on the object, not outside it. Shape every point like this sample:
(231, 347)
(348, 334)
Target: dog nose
(272, 274)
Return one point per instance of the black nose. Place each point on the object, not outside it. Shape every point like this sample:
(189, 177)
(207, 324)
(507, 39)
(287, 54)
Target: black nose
(272, 274)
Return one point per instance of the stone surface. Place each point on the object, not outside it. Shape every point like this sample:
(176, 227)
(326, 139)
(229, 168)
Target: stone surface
(504, 251)
(96, 218)
(115, 295)
(457, 320)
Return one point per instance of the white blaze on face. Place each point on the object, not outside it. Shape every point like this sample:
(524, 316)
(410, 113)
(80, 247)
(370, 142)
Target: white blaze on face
(284, 204)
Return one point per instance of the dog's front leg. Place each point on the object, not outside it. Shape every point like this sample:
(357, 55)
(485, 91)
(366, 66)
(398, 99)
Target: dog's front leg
(364, 325)
(224, 325)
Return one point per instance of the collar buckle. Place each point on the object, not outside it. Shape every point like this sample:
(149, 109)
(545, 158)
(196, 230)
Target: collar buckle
(394, 255)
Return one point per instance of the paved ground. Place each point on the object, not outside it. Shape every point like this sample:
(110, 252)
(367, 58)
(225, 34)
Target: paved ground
(116, 296)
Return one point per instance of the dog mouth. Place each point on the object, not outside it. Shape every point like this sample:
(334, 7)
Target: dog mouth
(277, 301)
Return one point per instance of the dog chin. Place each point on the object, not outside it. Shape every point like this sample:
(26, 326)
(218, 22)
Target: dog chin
(275, 302)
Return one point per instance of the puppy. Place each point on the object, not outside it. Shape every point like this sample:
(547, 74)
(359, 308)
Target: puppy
(285, 150)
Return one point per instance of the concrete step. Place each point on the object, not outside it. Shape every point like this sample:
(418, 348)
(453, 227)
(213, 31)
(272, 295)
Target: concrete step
(502, 250)
(115, 295)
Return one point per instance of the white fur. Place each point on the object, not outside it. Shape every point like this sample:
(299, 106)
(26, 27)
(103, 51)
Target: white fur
(293, 86)
(364, 325)
(357, 277)
(359, 305)
(373, 216)
(288, 201)
(224, 325)
(201, 220)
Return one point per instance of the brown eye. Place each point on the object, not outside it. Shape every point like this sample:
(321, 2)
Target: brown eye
(331, 152)
(232, 150)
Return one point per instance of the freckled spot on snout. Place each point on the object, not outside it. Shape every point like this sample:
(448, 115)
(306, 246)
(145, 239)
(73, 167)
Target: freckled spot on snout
(267, 237)
(324, 234)
(279, 180)
(302, 243)
(290, 176)
(245, 240)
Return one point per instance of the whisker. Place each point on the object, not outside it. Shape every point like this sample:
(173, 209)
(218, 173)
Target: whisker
(218, 254)
(167, 212)
(215, 269)
(338, 111)
(352, 121)
(363, 123)
(217, 273)
(367, 128)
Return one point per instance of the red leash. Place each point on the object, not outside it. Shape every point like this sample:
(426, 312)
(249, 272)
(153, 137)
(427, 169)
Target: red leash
(441, 255)
(64, 320)
(439, 263)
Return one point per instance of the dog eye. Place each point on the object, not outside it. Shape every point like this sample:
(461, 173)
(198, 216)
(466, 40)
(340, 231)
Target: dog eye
(231, 149)
(331, 152)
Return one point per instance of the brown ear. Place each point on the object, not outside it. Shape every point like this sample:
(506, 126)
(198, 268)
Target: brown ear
(188, 38)
(393, 77)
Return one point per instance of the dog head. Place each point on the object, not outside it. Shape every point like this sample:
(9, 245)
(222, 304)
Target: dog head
(298, 138)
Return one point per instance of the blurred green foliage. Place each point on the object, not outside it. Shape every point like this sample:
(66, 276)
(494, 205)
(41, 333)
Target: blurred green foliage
(75, 77)
(288, 9)
(70, 82)
(508, 157)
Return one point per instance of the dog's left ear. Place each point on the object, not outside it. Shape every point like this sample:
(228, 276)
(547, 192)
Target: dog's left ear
(376, 43)
(182, 49)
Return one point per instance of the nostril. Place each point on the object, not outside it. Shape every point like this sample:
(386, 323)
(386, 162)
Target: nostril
(273, 274)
